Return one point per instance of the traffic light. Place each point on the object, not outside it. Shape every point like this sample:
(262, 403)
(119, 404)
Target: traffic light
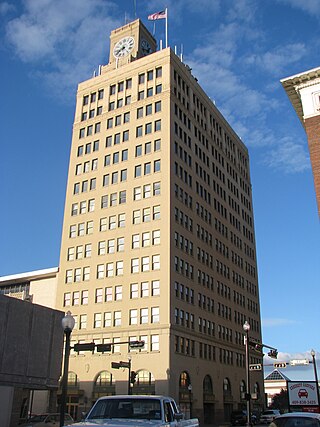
(136, 344)
(84, 347)
(133, 375)
(280, 365)
(273, 353)
(257, 367)
(101, 348)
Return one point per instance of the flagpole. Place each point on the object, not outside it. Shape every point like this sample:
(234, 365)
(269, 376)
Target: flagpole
(166, 27)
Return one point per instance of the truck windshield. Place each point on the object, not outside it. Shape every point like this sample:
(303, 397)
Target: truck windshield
(126, 408)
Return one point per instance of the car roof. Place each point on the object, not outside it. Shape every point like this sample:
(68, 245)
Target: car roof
(300, 414)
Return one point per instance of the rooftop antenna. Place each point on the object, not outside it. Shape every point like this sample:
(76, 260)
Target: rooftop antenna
(181, 54)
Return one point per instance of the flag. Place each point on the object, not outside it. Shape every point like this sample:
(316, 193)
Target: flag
(158, 15)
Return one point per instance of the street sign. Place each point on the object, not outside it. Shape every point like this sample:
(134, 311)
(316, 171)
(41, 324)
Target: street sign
(136, 344)
(118, 365)
(257, 367)
(84, 347)
(280, 365)
(302, 393)
(296, 362)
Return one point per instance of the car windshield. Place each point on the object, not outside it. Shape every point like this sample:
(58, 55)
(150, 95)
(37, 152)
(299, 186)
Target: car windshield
(126, 408)
(295, 422)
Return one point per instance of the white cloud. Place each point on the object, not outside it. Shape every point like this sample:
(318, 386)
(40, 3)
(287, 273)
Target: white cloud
(278, 60)
(6, 7)
(275, 322)
(65, 42)
(288, 156)
(310, 6)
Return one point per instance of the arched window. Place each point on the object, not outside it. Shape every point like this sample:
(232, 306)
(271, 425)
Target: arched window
(256, 390)
(207, 385)
(72, 379)
(184, 380)
(103, 379)
(226, 387)
(144, 378)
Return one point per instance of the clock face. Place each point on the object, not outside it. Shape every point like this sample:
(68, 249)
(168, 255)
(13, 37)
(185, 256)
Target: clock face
(123, 47)
(145, 47)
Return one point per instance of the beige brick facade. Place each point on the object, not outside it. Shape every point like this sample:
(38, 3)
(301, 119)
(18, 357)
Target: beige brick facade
(158, 237)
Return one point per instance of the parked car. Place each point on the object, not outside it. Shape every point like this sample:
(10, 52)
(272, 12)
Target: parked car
(47, 420)
(239, 418)
(269, 415)
(301, 419)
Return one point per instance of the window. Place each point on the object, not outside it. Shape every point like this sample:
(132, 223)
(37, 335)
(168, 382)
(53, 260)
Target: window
(107, 160)
(76, 188)
(158, 72)
(137, 193)
(148, 128)
(135, 241)
(97, 320)
(100, 94)
(146, 239)
(128, 83)
(97, 127)
(124, 155)
(125, 136)
(83, 207)
(144, 315)
(87, 250)
(68, 276)
(70, 255)
(86, 100)
(157, 125)
(123, 175)
(117, 139)
(149, 75)
(156, 212)
(154, 345)
(137, 171)
(117, 121)
(84, 187)
(140, 95)
(134, 288)
(136, 217)
(156, 188)
(155, 262)
(146, 215)
(73, 231)
(99, 295)
(114, 179)
(93, 97)
(83, 321)
(89, 227)
(155, 287)
(111, 246)
(91, 204)
(144, 289)
(133, 315)
(117, 318)
(147, 168)
(135, 265)
(138, 150)
(108, 294)
(145, 263)
(84, 297)
(138, 131)
(107, 319)
(80, 151)
(67, 299)
(116, 157)
(88, 148)
(147, 148)
(113, 199)
(157, 166)
(155, 314)
(120, 86)
(86, 273)
(79, 252)
(120, 244)
(158, 89)
(156, 237)
(105, 180)
(81, 229)
(82, 133)
(101, 247)
(99, 110)
(147, 191)
(119, 268)
(118, 293)
(93, 183)
(96, 145)
(110, 270)
(111, 106)
(104, 200)
(139, 112)
(100, 271)
(149, 92)
(122, 197)
(122, 220)
(141, 79)
(103, 224)
(128, 100)
(126, 117)
(110, 123)
(74, 209)
(148, 109)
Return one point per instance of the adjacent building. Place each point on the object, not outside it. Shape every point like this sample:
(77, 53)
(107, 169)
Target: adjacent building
(303, 91)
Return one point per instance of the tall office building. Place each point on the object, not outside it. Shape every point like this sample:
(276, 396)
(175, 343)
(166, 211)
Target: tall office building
(158, 239)
(303, 91)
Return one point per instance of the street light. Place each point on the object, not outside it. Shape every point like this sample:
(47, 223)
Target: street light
(246, 328)
(313, 354)
(67, 326)
(190, 398)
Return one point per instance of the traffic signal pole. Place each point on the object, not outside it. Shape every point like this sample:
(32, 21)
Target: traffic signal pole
(129, 378)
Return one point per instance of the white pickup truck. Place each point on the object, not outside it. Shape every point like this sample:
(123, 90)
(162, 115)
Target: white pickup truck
(136, 410)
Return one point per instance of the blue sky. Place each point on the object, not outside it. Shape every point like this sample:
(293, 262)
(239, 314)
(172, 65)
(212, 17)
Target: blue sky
(238, 50)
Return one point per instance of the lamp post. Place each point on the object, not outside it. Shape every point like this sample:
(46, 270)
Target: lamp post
(313, 354)
(246, 328)
(190, 398)
(67, 325)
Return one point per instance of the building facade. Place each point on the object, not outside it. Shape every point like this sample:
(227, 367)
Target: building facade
(303, 91)
(158, 238)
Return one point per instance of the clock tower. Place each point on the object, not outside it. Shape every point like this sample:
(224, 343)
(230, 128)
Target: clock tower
(130, 42)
